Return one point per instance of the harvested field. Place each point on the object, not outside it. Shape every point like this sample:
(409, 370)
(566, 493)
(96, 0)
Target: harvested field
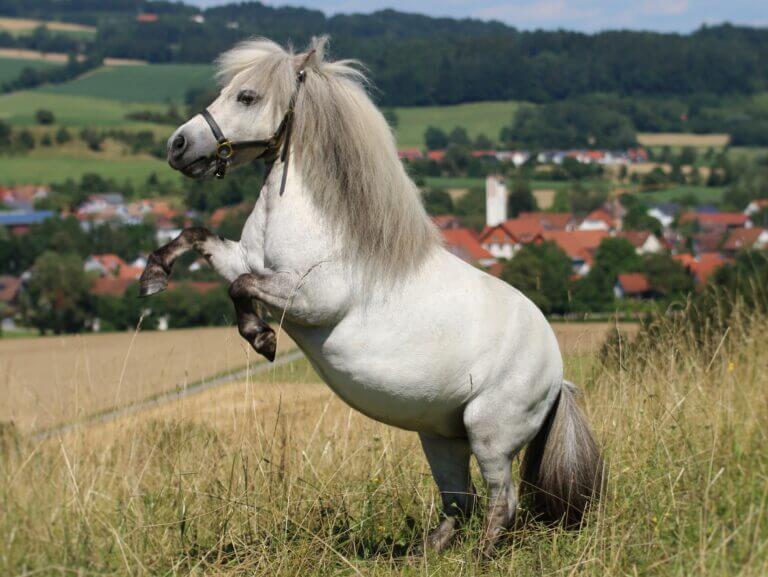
(52, 380)
(677, 139)
(24, 24)
(55, 380)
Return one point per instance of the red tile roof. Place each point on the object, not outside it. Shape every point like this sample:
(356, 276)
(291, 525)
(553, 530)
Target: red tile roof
(436, 155)
(634, 283)
(118, 286)
(447, 221)
(602, 215)
(636, 238)
(9, 287)
(702, 266)
(577, 244)
(109, 261)
(715, 219)
(548, 220)
(464, 243)
(741, 238)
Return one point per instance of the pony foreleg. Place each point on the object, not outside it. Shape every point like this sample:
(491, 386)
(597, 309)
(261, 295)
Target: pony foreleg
(224, 255)
(449, 461)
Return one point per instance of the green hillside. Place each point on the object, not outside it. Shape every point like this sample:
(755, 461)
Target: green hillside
(45, 166)
(19, 109)
(478, 118)
(159, 83)
(10, 68)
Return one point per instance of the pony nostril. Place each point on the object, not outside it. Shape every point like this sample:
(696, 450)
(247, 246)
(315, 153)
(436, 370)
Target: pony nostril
(179, 144)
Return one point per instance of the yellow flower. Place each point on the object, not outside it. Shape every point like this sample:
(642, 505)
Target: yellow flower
(730, 366)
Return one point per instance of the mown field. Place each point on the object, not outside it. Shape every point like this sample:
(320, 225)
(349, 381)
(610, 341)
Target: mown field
(156, 83)
(275, 476)
(49, 165)
(58, 379)
(22, 26)
(478, 118)
(10, 68)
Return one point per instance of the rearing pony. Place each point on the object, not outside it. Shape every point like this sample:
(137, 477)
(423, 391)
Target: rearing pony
(339, 247)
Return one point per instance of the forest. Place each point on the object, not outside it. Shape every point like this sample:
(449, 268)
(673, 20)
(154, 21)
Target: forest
(458, 60)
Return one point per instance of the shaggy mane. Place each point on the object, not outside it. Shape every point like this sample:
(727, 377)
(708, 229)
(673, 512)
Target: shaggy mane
(346, 152)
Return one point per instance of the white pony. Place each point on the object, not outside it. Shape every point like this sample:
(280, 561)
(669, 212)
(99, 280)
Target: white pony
(340, 249)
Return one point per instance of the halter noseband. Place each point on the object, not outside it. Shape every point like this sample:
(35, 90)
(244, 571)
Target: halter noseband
(270, 148)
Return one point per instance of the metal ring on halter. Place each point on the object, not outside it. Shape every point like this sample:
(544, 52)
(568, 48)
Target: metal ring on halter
(224, 150)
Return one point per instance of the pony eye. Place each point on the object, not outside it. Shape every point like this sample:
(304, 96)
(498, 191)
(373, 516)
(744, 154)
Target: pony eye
(247, 97)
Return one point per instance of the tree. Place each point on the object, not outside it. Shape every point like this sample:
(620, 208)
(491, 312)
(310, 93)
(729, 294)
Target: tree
(45, 117)
(667, 276)
(57, 296)
(63, 136)
(437, 201)
(435, 139)
(520, 197)
(615, 256)
(390, 115)
(542, 272)
(25, 140)
(482, 142)
(6, 134)
(459, 137)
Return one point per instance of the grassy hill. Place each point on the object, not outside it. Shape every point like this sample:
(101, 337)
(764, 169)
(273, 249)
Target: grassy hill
(157, 83)
(45, 166)
(478, 118)
(10, 68)
(19, 108)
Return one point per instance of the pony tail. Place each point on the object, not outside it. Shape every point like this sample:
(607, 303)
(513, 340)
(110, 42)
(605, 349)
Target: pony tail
(562, 470)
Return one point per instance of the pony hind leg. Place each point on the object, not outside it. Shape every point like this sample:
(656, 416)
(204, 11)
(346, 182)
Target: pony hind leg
(449, 461)
(495, 440)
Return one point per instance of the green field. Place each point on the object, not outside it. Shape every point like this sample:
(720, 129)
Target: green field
(44, 166)
(19, 109)
(158, 83)
(10, 68)
(478, 118)
(704, 194)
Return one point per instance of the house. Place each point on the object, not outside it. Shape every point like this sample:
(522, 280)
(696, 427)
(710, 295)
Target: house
(644, 241)
(10, 286)
(464, 243)
(702, 266)
(436, 155)
(445, 221)
(23, 197)
(496, 196)
(18, 221)
(756, 206)
(633, 285)
(665, 213)
(104, 264)
(101, 208)
(716, 221)
(516, 157)
(550, 220)
(744, 239)
(506, 239)
(579, 245)
(146, 17)
(598, 219)
(410, 154)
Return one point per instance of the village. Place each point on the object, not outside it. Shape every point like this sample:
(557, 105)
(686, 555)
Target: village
(700, 240)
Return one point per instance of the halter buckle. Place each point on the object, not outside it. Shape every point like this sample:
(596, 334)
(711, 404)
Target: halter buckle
(225, 151)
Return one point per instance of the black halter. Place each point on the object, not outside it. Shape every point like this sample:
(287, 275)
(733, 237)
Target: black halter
(269, 149)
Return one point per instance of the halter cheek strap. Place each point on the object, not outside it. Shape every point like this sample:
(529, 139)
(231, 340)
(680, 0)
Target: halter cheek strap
(278, 144)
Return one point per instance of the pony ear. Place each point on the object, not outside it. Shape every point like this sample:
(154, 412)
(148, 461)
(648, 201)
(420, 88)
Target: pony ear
(315, 54)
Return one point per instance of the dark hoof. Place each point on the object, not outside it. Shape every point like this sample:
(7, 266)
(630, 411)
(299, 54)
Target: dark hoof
(442, 536)
(265, 344)
(153, 280)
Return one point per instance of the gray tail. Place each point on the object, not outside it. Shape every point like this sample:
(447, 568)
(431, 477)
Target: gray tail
(562, 471)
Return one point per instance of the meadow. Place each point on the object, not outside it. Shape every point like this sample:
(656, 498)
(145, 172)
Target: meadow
(10, 68)
(478, 118)
(156, 83)
(275, 476)
(52, 165)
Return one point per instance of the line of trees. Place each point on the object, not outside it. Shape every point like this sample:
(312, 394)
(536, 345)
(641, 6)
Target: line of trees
(458, 60)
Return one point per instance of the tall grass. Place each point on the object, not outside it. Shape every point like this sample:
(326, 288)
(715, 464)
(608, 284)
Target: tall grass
(280, 478)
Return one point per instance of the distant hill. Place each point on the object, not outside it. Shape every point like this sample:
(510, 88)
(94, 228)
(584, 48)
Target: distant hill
(419, 60)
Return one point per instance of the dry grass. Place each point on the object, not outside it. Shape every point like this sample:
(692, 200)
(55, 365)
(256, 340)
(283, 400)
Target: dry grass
(683, 139)
(46, 381)
(49, 381)
(276, 477)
